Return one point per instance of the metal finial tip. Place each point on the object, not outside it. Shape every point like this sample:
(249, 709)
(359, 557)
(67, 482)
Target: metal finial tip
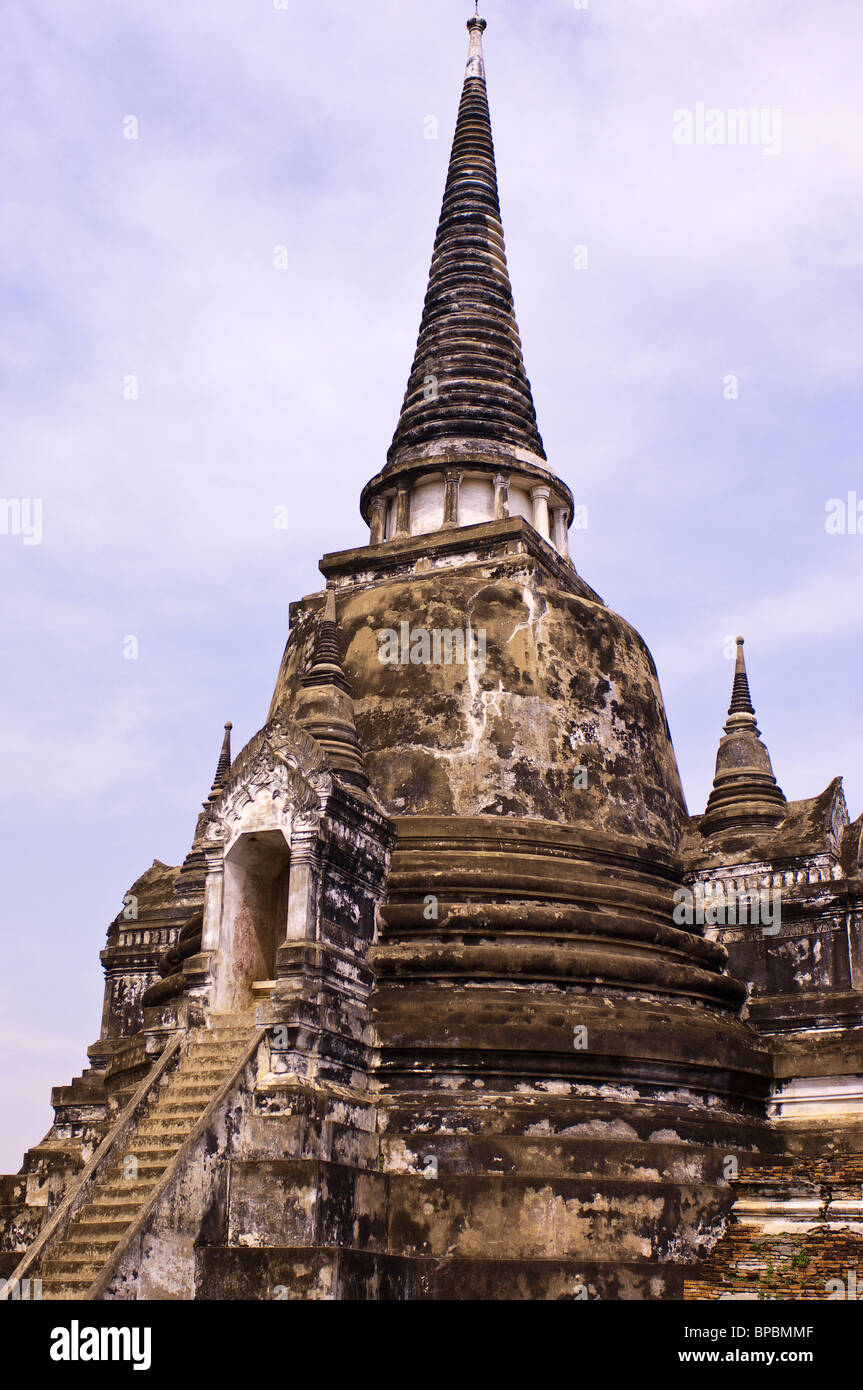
(229, 726)
(740, 672)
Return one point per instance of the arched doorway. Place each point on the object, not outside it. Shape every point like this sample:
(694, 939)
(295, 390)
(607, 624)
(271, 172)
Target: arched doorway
(254, 915)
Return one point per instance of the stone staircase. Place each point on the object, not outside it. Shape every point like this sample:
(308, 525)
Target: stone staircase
(72, 1264)
(796, 1228)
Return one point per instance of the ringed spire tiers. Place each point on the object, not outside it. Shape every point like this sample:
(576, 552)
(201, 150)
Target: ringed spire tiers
(745, 792)
(467, 448)
(324, 706)
(223, 767)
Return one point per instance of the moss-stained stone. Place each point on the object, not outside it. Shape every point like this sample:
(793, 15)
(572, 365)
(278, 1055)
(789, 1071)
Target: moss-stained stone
(416, 1017)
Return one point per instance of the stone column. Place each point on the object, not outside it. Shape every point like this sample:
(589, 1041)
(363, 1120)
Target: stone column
(501, 496)
(559, 531)
(296, 1008)
(403, 512)
(450, 501)
(214, 891)
(540, 496)
(202, 972)
(302, 887)
(206, 973)
(379, 521)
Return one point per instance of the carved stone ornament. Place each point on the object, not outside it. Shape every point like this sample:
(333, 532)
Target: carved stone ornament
(287, 764)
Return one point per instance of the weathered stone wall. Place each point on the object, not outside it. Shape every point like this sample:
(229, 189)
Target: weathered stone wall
(530, 987)
(139, 936)
(567, 694)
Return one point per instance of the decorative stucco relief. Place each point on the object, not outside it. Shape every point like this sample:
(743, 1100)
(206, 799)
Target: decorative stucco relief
(280, 781)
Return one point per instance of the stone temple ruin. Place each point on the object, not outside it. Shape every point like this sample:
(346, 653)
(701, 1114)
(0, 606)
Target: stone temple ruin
(451, 997)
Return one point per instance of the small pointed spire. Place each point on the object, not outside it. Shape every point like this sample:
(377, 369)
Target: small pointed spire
(745, 792)
(193, 874)
(223, 767)
(326, 664)
(324, 707)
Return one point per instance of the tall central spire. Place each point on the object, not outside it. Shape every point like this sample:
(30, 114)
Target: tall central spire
(468, 377)
(467, 449)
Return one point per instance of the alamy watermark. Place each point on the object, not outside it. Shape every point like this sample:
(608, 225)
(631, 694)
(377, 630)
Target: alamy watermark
(760, 127)
(850, 1288)
(21, 1290)
(77, 1343)
(844, 516)
(421, 646)
(22, 516)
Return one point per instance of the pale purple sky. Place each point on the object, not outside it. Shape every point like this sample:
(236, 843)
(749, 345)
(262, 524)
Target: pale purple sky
(305, 127)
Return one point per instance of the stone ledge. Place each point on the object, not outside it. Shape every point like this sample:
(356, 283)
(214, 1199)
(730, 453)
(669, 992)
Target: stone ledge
(474, 543)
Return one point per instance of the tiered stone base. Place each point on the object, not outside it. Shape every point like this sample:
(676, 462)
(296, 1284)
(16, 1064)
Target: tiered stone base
(549, 1199)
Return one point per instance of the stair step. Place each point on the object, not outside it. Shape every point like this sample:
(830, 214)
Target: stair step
(158, 1116)
(182, 1082)
(155, 1119)
(155, 1144)
(128, 1195)
(144, 1141)
(120, 1177)
(71, 1282)
(207, 1076)
(91, 1209)
(152, 1161)
(148, 1169)
(64, 1287)
(218, 1054)
(121, 1201)
(87, 1260)
(95, 1234)
(205, 1064)
(98, 1229)
(190, 1095)
(73, 1264)
(158, 1153)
